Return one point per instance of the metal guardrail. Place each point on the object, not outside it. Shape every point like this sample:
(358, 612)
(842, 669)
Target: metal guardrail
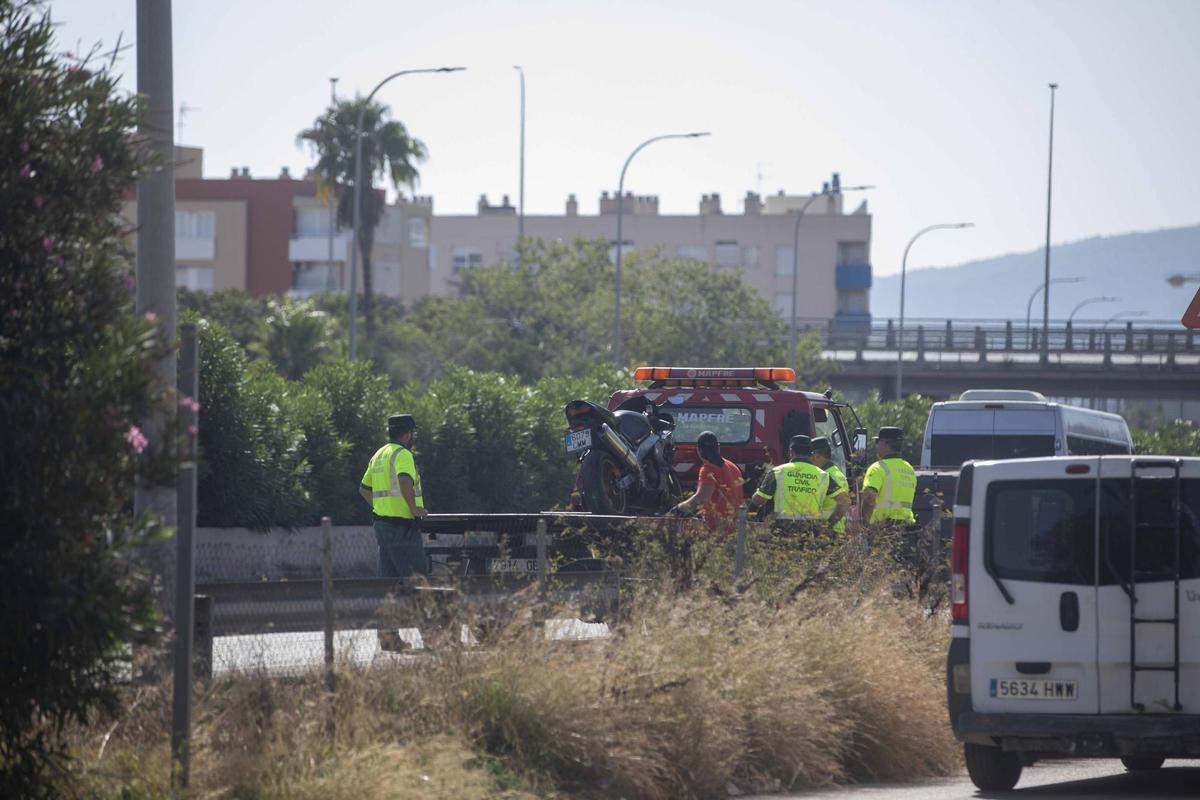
(981, 336)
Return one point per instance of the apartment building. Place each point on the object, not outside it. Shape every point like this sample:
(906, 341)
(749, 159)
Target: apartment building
(834, 277)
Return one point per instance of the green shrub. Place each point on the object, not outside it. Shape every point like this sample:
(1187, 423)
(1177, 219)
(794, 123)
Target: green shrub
(76, 374)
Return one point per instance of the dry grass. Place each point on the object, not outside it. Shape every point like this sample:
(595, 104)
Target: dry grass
(838, 680)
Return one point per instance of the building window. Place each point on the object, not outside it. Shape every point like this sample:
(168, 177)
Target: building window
(783, 304)
(465, 258)
(852, 301)
(626, 249)
(198, 279)
(195, 224)
(728, 254)
(750, 256)
(697, 252)
(309, 277)
(418, 234)
(852, 253)
(784, 260)
(312, 221)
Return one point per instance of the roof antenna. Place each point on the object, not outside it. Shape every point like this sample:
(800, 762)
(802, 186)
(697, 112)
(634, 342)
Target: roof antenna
(184, 108)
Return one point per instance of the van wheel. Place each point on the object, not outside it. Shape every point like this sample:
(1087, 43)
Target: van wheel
(991, 769)
(1142, 763)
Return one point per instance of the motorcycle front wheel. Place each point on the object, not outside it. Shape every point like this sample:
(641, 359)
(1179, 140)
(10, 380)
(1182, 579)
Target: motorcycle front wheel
(601, 476)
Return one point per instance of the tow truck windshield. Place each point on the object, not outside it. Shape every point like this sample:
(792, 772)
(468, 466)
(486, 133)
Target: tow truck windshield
(731, 424)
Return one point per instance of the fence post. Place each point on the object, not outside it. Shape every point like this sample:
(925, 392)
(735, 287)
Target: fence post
(980, 342)
(1070, 343)
(1171, 348)
(202, 640)
(1008, 337)
(1128, 337)
(891, 335)
(327, 595)
(949, 343)
(920, 343)
(1107, 348)
(188, 386)
(739, 548)
(541, 553)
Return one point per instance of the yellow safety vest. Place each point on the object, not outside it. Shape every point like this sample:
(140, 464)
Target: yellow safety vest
(895, 484)
(800, 489)
(383, 479)
(830, 503)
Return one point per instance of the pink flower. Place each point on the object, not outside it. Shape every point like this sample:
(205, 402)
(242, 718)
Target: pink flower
(193, 430)
(137, 440)
(151, 316)
(26, 171)
(189, 404)
(48, 245)
(97, 164)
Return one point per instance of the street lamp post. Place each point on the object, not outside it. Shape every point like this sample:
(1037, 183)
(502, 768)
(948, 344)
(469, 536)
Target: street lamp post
(903, 278)
(1036, 292)
(616, 346)
(329, 277)
(521, 182)
(1046, 280)
(796, 259)
(1122, 315)
(1088, 302)
(358, 139)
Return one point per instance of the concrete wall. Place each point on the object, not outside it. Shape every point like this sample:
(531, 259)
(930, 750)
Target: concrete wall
(240, 554)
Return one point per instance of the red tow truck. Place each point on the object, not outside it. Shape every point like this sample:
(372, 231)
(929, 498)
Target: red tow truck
(752, 416)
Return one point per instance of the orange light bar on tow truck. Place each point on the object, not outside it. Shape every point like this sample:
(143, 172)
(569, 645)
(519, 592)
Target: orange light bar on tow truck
(715, 376)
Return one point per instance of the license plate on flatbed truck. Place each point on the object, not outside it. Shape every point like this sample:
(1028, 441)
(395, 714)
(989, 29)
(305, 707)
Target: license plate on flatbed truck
(1033, 689)
(578, 440)
(520, 566)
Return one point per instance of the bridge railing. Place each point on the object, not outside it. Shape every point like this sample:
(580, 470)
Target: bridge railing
(1007, 336)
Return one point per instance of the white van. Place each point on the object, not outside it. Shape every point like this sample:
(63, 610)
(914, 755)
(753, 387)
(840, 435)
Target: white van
(1012, 423)
(1076, 612)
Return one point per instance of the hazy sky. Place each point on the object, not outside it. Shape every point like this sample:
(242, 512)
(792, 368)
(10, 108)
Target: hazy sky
(943, 105)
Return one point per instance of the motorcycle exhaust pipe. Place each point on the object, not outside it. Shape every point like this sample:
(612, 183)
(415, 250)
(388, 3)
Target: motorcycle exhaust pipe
(618, 447)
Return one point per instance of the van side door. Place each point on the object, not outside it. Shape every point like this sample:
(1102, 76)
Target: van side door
(1148, 501)
(1032, 587)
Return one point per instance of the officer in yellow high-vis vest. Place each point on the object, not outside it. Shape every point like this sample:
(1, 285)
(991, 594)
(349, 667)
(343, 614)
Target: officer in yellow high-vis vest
(837, 499)
(392, 486)
(796, 489)
(889, 484)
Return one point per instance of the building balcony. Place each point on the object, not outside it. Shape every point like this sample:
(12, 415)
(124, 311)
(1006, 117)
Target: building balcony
(316, 248)
(195, 249)
(853, 276)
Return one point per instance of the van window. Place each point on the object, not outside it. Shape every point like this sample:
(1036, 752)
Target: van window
(1156, 545)
(954, 449)
(1042, 530)
(1087, 446)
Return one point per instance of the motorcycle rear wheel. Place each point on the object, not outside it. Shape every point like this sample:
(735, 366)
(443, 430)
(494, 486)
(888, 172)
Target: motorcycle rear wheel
(601, 476)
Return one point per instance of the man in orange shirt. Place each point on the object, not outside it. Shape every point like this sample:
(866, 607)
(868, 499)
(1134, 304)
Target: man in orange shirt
(719, 489)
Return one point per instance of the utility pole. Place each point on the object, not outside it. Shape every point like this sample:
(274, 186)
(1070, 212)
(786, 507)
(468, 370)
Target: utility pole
(156, 246)
(521, 189)
(332, 189)
(1049, 187)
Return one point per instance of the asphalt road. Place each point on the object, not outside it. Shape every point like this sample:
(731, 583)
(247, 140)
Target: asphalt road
(1098, 778)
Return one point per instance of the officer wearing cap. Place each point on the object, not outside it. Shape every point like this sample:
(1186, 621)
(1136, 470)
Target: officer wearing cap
(890, 483)
(837, 499)
(392, 486)
(797, 488)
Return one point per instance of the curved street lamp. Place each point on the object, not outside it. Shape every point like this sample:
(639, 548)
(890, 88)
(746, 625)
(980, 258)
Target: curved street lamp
(358, 139)
(521, 189)
(796, 258)
(1090, 301)
(1036, 292)
(903, 275)
(1122, 315)
(616, 345)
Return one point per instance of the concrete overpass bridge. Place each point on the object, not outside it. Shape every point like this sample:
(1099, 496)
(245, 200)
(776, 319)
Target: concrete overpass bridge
(1157, 361)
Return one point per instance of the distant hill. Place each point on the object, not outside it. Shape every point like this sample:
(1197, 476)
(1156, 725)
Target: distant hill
(1132, 266)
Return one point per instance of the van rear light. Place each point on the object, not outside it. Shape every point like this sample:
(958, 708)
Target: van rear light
(1078, 469)
(958, 569)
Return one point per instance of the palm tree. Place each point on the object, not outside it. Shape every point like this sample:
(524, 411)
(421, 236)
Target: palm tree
(389, 153)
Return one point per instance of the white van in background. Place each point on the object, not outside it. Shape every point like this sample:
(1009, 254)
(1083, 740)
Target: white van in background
(1012, 423)
(1076, 612)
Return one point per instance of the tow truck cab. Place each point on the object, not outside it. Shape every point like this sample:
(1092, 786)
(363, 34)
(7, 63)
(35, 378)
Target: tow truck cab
(752, 416)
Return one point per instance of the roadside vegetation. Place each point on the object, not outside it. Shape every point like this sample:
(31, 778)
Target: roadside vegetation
(822, 665)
